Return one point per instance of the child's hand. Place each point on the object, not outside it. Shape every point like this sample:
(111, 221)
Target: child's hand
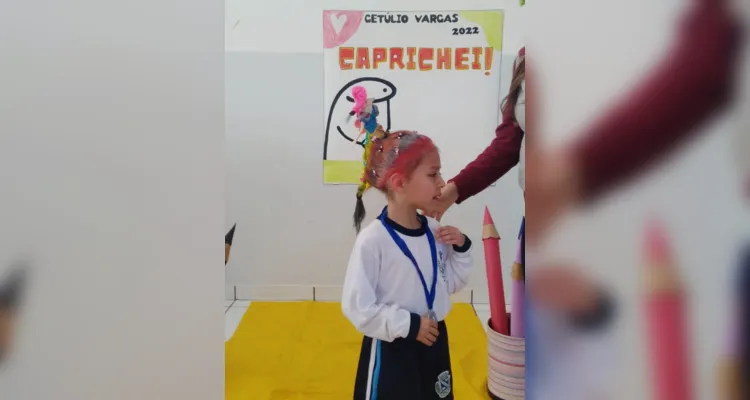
(428, 331)
(450, 235)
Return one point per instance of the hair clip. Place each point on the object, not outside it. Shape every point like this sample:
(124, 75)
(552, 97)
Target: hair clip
(380, 149)
(395, 150)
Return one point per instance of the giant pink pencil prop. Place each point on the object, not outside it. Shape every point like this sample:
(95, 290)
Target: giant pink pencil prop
(666, 322)
(491, 240)
(517, 291)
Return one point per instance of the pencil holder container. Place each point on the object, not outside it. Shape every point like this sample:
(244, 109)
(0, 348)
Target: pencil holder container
(506, 376)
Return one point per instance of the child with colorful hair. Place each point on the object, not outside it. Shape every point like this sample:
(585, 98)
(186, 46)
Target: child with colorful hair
(402, 271)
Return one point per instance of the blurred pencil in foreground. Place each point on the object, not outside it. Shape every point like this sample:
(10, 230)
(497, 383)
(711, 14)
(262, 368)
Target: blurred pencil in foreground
(11, 292)
(734, 365)
(518, 289)
(666, 323)
(743, 324)
(729, 378)
(228, 243)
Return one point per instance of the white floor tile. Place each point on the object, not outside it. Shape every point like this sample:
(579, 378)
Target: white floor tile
(482, 308)
(228, 302)
(232, 319)
(483, 316)
(241, 303)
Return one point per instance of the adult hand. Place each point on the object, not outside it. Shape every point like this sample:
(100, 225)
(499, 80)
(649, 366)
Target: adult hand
(552, 189)
(562, 288)
(438, 207)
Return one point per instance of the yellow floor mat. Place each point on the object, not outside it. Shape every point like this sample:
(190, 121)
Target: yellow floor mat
(309, 351)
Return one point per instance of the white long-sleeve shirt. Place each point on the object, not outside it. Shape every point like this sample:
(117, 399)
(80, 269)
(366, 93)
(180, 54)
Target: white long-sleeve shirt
(382, 289)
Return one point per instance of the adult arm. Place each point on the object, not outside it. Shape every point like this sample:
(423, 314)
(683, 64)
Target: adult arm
(691, 85)
(497, 159)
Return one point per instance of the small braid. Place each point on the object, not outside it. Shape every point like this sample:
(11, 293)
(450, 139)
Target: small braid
(384, 153)
(359, 208)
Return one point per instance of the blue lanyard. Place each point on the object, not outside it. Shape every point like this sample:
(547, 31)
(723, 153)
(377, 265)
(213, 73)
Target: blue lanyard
(429, 294)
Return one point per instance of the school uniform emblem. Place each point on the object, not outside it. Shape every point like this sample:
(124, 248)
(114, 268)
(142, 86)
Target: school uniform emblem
(443, 384)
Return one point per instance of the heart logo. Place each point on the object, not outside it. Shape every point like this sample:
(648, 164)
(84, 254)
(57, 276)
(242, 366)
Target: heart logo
(340, 26)
(338, 21)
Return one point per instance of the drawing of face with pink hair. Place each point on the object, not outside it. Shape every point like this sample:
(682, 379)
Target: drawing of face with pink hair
(366, 94)
(340, 26)
(359, 94)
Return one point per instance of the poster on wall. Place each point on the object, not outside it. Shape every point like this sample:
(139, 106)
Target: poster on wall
(434, 72)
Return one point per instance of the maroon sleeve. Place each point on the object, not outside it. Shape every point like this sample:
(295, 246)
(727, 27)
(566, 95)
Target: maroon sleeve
(664, 110)
(497, 159)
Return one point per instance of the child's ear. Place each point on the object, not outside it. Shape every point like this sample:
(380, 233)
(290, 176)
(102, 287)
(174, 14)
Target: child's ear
(397, 181)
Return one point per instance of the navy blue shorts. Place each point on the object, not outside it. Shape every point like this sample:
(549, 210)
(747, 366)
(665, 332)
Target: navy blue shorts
(404, 369)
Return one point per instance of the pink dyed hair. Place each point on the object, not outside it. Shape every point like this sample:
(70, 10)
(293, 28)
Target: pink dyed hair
(397, 153)
(400, 152)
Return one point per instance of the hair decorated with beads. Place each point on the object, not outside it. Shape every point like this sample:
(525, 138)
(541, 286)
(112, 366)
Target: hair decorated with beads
(366, 121)
(393, 153)
(384, 153)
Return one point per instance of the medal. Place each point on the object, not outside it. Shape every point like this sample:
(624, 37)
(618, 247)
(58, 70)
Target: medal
(429, 294)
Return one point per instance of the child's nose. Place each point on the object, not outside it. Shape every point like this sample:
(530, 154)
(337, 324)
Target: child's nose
(441, 182)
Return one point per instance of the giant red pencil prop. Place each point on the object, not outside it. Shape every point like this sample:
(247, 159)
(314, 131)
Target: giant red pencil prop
(491, 240)
(518, 290)
(666, 321)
